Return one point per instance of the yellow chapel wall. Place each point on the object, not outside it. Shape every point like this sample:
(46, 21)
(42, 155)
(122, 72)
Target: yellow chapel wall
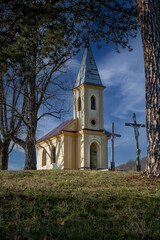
(47, 144)
(80, 154)
(70, 151)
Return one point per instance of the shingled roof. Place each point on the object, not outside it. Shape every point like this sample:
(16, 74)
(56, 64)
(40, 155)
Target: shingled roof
(88, 72)
(56, 130)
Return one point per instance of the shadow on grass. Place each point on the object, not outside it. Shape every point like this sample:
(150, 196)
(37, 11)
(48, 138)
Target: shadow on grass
(59, 215)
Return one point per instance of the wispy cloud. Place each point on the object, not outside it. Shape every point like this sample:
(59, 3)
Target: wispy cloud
(73, 65)
(18, 148)
(123, 75)
(125, 72)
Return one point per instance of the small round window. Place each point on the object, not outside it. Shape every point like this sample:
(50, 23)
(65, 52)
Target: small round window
(93, 122)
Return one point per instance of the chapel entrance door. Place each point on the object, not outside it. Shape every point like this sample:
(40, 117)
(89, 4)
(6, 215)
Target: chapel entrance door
(93, 156)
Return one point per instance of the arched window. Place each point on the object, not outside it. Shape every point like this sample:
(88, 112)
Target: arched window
(93, 156)
(93, 103)
(43, 157)
(79, 104)
(53, 155)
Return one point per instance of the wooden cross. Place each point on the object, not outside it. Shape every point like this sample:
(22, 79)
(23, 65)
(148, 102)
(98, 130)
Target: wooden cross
(136, 133)
(113, 136)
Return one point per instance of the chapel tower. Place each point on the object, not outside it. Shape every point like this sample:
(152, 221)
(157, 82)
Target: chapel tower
(92, 139)
(88, 94)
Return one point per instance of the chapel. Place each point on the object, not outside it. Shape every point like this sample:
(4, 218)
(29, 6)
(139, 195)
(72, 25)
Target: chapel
(80, 142)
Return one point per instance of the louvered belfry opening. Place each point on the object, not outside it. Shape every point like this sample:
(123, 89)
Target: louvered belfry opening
(79, 104)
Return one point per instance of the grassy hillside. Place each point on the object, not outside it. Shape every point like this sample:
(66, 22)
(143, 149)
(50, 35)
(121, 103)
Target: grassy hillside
(78, 205)
(131, 165)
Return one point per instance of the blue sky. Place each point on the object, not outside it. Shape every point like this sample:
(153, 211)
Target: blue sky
(123, 75)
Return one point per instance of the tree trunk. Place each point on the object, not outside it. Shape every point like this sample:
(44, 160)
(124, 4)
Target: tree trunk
(30, 155)
(4, 155)
(30, 147)
(149, 17)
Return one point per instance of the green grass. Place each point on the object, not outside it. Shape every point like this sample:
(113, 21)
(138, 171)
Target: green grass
(77, 205)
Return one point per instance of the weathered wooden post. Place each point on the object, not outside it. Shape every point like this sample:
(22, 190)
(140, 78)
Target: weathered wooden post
(113, 135)
(136, 133)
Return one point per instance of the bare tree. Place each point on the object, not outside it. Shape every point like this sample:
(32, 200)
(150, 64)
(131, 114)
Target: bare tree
(10, 98)
(37, 94)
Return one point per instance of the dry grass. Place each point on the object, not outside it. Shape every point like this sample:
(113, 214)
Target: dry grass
(77, 205)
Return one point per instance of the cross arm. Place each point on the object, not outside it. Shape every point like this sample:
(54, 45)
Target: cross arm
(115, 135)
(141, 125)
(133, 125)
(130, 124)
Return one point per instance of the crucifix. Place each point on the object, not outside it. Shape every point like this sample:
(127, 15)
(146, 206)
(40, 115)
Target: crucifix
(113, 136)
(136, 133)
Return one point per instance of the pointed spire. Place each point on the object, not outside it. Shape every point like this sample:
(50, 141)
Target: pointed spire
(88, 72)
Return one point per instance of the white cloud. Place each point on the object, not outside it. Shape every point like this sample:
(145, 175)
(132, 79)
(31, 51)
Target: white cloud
(73, 64)
(18, 148)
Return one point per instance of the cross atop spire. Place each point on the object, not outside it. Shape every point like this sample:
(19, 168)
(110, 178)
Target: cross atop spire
(88, 72)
